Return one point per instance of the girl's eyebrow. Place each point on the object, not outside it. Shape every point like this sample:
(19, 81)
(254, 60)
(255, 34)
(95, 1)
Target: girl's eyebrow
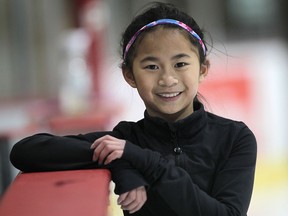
(178, 56)
(149, 58)
(181, 55)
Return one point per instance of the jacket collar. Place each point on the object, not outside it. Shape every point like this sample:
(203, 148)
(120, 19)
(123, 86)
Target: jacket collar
(184, 128)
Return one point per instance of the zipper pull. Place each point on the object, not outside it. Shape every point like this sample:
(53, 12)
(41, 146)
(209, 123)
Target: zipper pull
(178, 150)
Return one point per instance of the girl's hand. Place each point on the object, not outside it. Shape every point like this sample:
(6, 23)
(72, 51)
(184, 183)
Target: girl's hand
(107, 149)
(133, 200)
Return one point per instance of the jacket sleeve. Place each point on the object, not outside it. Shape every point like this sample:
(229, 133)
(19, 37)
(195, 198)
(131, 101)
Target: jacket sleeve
(46, 152)
(232, 188)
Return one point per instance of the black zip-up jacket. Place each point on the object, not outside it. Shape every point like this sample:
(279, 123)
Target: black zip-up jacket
(202, 165)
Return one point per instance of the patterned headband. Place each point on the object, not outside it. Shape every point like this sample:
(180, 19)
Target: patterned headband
(160, 22)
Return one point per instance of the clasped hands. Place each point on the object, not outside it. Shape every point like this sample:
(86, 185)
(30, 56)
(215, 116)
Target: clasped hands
(107, 149)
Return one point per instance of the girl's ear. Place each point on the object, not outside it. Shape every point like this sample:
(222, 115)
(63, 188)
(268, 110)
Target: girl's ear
(204, 70)
(129, 77)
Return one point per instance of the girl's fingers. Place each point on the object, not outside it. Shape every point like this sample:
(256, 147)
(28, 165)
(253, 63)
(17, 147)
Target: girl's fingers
(131, 197)
(136, 208)
(107, 148)
(121, 198)
(111, 150)
(99, 141)
(96, 152)
(113, 156)
(133, 200)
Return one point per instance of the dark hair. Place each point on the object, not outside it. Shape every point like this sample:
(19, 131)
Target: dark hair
(158, 11)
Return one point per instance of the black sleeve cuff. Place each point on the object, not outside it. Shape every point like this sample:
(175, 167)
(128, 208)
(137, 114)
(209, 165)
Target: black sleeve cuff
(125, 177)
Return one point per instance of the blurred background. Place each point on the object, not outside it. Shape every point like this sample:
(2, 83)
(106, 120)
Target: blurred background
(59, 73)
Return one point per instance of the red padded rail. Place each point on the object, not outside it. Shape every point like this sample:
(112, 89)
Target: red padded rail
(73, 193)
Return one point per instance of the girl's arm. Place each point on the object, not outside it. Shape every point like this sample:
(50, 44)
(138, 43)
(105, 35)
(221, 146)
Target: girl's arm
(46, 152)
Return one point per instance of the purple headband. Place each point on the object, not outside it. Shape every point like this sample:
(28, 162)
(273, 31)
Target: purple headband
(160, 22)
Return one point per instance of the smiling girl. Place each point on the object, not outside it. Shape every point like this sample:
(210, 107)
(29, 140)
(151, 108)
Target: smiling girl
(179, 159)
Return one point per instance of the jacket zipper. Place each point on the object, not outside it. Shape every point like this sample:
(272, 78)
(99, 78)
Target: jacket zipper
(177, 150)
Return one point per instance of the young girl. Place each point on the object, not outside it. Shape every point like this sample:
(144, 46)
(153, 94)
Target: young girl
(179, 159)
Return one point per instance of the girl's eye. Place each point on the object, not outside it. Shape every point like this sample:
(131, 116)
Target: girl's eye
(180, 64)
(152, 67)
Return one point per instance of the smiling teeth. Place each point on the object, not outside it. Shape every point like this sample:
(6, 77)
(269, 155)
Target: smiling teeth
(169, 95)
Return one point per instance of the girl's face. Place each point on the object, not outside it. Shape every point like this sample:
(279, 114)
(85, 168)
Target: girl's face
(166, 73)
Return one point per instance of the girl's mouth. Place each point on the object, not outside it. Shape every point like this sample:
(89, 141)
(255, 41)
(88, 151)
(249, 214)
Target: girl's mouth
(169, 95)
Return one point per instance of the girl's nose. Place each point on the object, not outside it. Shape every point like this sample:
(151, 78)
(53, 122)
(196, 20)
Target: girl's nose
(168, 79)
